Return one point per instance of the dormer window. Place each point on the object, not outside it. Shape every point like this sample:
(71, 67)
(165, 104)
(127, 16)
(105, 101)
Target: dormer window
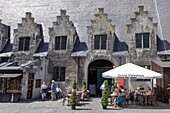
(100, 42)
(142, 40)
(60, 42)
(24, 44)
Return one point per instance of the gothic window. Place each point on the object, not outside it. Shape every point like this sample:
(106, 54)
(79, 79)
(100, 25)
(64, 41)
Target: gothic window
(24, 43)
(100, 41)
(142, 40)
(59, 73)
(60, 42)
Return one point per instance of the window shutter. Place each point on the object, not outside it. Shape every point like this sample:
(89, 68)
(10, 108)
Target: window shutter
(27, 43)
(96, 41)
(103, 41)
(62, 74)
(21, 44)
(56, 74)
(63, 42)
(139, 40)
(146, 40)
(57, 43)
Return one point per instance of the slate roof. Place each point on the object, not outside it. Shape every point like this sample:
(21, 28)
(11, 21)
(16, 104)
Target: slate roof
(7, 48)
(42, 49)
(79, 46)
(82, 11)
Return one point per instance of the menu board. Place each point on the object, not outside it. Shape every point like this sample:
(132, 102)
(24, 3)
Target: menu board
(92, 89)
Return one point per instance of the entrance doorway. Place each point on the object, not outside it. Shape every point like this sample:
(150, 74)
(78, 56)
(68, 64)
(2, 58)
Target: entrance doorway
(95, 78)
(30, 85)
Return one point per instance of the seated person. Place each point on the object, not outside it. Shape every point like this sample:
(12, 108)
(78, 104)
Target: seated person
(138, 96)
(83, 93)
(121, 90)
(118, 99)
(115, 93)
(141, 87)
(148, 91)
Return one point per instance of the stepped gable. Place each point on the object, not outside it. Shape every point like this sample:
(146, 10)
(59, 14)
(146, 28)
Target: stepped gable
(63, 27)
(140, 24)
(143, 18)
(101, 25)
(30, 33)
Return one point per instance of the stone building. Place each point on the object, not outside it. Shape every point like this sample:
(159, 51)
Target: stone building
(83, 43)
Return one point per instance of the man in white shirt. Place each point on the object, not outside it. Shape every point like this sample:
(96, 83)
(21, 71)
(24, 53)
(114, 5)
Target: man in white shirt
(43, 91)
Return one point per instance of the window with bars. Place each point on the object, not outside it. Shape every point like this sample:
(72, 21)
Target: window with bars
(100, 41)
(60, 42)
(59, 73)
(24, 44)
(142, 40)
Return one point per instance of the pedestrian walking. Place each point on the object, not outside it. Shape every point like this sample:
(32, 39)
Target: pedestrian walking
(53, 90)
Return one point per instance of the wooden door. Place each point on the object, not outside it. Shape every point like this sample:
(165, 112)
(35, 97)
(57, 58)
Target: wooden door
(30, 85)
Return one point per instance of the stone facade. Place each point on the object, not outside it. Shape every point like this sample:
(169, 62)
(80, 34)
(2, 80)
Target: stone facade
(62, 58)
(28, 28)
(77, 65)
(142, 23)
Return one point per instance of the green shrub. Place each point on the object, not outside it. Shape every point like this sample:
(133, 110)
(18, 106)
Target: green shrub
(74, 84)
(83, 84)
(113, 85)
(104, 99)
(73, 98)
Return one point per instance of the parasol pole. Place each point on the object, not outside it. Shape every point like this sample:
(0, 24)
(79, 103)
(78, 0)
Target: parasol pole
(129, 84)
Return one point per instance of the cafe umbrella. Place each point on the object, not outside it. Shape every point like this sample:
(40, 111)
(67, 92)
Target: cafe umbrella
(130, 71)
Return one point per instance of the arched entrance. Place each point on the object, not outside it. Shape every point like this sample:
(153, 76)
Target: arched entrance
(95, 79)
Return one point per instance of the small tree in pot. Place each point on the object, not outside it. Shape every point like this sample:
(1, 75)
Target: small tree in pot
(104, 99)
(168, 88)
(73, 98)
(113, 85)
(83, 84)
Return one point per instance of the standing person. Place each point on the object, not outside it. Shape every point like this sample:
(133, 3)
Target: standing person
(58, 91)
(141, 87)
(43, 91)
(53, 90)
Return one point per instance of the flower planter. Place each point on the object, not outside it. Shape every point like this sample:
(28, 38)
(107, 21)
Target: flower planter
(104, 107)
(73, 107)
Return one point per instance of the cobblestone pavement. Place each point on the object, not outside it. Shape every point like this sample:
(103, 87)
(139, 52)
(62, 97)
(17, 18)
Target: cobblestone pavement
(92, 106)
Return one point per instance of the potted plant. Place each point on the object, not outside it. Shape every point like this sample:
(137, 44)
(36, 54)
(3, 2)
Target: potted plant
(83, 84)
(104, 99)
(113, 85)
(168, 88)
(73, 98)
